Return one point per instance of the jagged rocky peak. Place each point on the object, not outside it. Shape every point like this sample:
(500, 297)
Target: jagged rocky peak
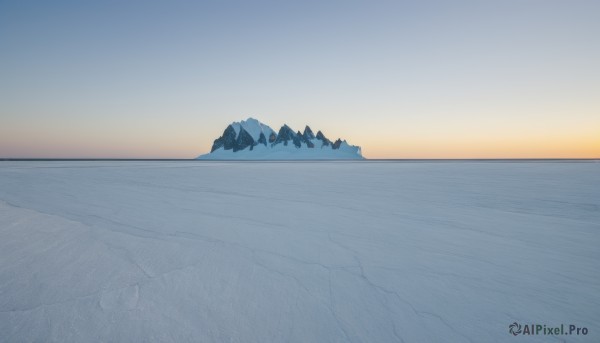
(308, 134)
(227, 140)
(337, 144)
(251, 139)
(285, 135)
(241, 135)
(323, 139)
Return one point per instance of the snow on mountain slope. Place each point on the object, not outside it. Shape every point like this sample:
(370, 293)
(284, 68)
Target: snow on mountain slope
(282, 152)
(253, 127)
(251, 139)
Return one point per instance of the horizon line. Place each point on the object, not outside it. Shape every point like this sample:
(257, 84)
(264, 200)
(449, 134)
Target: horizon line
(49, 159)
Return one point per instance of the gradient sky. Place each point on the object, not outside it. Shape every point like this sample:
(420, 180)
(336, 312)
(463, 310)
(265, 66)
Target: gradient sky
(418, 79)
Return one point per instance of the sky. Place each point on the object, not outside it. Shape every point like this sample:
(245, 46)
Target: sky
(401, 79)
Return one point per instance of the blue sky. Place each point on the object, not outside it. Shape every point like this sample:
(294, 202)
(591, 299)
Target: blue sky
(401, 79)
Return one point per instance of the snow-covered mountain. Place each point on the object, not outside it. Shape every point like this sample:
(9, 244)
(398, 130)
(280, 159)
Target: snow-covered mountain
(252, 140)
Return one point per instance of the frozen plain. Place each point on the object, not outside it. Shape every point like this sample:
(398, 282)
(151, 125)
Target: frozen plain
(297, 252)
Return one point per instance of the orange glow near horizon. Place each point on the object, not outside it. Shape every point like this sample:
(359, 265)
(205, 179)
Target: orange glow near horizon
(171, 145)
(584, 148)
(556, 146)
(385, 134)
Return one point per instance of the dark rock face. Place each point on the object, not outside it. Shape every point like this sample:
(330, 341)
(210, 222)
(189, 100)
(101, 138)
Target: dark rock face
(217, 144)
(262, 140)
(308, 134)
(296, 140)
(322, 138)
(227, 141)
(243, 141)
(304, 138)
(285, 134)
(230, 140)
(337, 144)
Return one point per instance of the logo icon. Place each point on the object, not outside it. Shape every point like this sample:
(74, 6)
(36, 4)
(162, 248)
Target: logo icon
(514, 328)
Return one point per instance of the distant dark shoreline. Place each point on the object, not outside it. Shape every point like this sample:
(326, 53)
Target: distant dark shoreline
(413, 160)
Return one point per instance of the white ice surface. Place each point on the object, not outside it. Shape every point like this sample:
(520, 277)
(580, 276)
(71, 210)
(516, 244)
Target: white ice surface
(297, 252)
